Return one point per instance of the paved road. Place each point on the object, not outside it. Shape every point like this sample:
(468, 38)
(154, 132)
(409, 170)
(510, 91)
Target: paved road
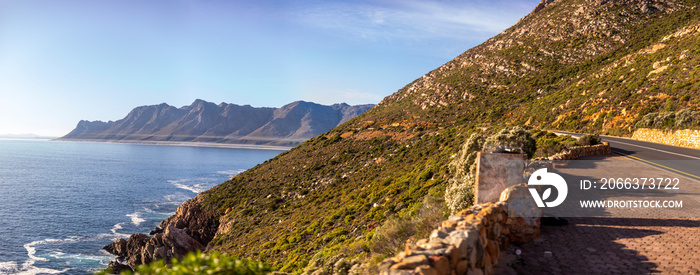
(611, 246)
(680, 160)
(608, 245)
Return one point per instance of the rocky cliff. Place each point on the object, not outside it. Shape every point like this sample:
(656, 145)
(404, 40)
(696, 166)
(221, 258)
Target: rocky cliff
(356, 194)
(224, 123)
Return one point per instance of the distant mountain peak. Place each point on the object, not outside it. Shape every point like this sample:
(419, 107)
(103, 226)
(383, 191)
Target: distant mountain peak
(204, 121)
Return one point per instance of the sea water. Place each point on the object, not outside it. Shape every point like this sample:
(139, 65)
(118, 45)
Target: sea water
(61, 202)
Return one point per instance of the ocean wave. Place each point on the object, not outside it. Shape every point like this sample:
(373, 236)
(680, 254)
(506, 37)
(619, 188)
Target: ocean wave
(8, 267)
(231, 173)
(175, 199)
(28, 267)
(136, 218)
(80, 259)
(194, 188)
(116, 227)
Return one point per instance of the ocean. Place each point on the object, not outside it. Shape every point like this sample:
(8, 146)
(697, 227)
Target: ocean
(61, 202)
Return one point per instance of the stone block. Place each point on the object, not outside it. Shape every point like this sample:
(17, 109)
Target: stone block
(462, 267)
(429, 252)
(495, 172)
(523, 214)
(426, 270)
(411, 262)
(480, 255)
(450, 223)
(473, 256)
(397, 272)
(459, 245)
(488, 268)
(486, 262)
(441, 264)
(494, 232)
(454, 256)
(385, 264)
(438, 234)
(434, 244)
(493, 252)
(523, 230)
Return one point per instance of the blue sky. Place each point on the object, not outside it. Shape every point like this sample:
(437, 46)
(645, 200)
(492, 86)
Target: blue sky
(63, 61)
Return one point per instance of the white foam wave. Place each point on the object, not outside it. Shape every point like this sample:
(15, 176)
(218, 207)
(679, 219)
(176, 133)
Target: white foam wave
(115, 234)
(8, 267)
(80, 258)
(195, 188)
(136, 218)
(36, 270)
(231, 173)
(28, 267)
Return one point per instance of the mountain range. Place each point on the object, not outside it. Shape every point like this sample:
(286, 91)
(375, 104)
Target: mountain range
(204, 121)
(344, 200)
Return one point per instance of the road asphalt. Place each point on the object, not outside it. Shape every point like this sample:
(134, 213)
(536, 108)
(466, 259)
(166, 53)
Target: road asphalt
(681, 160)
(622, 245)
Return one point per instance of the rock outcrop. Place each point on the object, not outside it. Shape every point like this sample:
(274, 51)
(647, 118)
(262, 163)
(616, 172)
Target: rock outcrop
(190, 229)
(194, 221)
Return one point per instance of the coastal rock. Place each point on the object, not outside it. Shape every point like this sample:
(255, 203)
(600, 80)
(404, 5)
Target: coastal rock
(117, 248)
(118, 268)
(180, 242)
(156, 231)
(135, 245)
(191, 218)
(190, 229)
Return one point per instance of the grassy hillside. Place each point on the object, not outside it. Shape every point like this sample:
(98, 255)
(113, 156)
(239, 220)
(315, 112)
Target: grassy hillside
(356, 193)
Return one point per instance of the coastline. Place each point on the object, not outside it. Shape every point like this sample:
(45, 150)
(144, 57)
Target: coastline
(184, 143)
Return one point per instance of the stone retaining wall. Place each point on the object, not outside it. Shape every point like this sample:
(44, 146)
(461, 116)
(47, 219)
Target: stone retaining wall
(471, 241)
(582, 151)
(684, 138)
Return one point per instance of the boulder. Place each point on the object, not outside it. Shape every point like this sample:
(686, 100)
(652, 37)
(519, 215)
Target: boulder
(191, 218)
(190, 229)
(118, 268)
(523, 221)
(117, 248)
(180, 241)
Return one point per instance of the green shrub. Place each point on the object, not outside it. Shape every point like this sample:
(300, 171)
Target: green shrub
(587, 140)
(514, 136)
(459, 194)
(685, 118)
(199, 263)
(549, 143)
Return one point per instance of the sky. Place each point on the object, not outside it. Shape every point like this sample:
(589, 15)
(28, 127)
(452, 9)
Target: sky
(71, 60)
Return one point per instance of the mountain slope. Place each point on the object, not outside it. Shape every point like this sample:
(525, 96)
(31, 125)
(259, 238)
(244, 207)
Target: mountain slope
(225, 123)
(338, 199)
